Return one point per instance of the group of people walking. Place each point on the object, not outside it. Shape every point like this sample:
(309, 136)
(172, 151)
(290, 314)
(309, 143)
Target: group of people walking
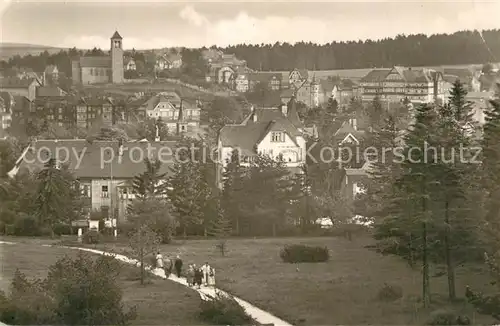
(198, 276)
(195, 276)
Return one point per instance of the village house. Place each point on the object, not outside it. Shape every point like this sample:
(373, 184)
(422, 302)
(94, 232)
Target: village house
(103, 111)
(270, 131)
(102, 69)
(481, 103)
(57, 110)
(468, 77)
(7, 103)
(168, 61)
(400, 83)
(309, 93)
(130, 64)
(180, 116)
(50, 75)
(271, 80)
(298, 77)
(104, 169)
(21, 87)
(222, 69)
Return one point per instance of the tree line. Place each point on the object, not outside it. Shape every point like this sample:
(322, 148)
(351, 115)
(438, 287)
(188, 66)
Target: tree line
(464, 47)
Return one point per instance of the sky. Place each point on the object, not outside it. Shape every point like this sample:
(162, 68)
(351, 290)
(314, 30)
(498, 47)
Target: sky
(145, 25)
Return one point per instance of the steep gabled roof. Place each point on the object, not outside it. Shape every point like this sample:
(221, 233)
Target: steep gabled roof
(376, 75)
(249, 133)
(116, 35)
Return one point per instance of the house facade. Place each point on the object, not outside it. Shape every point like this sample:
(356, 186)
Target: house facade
(297, 77)
(102, 69)
(104, 169)
(180, 116)
(130, 65)
(273, 132)
(50, 75)
(7, 103)
(400, 83)
(20, 87)
(271, 80)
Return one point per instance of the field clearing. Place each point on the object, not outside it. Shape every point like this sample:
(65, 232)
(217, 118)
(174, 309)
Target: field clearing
(341, 291)
(160, 302)
(360, 73)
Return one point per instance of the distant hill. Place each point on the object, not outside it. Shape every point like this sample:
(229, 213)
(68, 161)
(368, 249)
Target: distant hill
(8, 50)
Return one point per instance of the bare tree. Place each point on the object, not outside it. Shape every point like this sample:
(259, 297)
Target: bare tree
(143, 242)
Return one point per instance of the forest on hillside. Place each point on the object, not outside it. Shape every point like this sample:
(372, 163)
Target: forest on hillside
(465, 47)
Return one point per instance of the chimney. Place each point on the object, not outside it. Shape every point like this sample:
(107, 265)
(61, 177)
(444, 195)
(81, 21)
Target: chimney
(354, 123)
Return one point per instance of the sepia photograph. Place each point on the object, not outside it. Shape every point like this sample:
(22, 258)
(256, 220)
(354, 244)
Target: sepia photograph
(249, 163)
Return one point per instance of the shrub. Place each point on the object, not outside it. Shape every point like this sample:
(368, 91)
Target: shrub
(26, 226)
(447, 317)
(304, 254)
(390, 293)
(91, 237)
(224, 310)
(79, 291)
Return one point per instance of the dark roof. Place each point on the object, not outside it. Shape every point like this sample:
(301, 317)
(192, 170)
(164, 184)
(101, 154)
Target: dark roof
(95, 62)
(292, 113)
(286, 93)
(376, 75)
(49, 91)
(248, 134)
(95, 156)
(14, 82)
(345, 129)
(116, 35)
(264, 76)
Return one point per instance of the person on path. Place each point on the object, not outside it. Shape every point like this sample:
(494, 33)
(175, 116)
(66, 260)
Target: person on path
(190, 275)
(205, 269)
(159, 260)
(168, 266)
(178, 266)
(198, 276)
(211, 277)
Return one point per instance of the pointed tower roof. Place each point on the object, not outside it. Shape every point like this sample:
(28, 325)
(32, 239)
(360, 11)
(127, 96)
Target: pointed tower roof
(116, 35)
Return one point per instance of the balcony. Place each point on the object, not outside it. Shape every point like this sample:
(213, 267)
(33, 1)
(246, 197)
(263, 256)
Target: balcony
(104, 194)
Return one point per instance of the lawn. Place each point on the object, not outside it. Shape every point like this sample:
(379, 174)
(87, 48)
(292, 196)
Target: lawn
(341, 291)
(160, 302)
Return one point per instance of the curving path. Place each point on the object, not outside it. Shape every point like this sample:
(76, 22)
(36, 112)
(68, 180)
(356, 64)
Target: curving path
(259, 315)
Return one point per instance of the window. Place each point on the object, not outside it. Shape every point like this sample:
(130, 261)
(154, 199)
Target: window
(277, 137)
(104, 192)
(105, 212)
(85, 190)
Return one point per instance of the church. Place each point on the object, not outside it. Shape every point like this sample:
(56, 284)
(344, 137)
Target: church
(102, 69)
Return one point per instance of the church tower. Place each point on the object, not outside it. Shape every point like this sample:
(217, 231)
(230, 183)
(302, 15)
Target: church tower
(314, 93)
(116, 59)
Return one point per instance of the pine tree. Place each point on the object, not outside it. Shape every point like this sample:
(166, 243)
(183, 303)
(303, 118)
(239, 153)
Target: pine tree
(232, 189)
(188, 191)
(409, 221)
(150, 183)
(220, 229)
(52, 195)
(376, 113)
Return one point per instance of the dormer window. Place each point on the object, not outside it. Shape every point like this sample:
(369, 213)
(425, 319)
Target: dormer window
(277, 137)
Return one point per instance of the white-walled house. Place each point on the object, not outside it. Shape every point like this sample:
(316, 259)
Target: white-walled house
(104, 170)
(271, 131)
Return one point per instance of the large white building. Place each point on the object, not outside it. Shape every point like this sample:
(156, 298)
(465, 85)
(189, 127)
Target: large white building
(269, 131)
